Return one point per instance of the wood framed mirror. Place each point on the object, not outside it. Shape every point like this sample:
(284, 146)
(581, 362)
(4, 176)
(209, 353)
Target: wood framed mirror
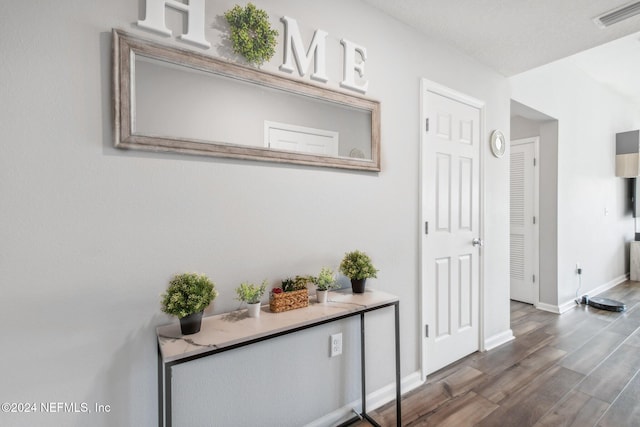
(176, 100)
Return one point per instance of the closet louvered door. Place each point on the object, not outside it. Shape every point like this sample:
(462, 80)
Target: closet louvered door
(522, 222)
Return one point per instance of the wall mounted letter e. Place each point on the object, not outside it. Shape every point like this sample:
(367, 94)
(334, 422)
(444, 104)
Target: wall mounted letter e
(350, 66)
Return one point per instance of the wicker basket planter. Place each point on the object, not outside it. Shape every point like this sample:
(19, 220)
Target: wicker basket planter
(286, 301)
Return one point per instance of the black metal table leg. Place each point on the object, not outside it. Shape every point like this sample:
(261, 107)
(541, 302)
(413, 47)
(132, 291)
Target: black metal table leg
(167, 395)
(398, 385)
(160, 390)
(363, 373)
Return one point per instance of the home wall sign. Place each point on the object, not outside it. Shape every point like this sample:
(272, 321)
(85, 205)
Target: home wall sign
(354, 55)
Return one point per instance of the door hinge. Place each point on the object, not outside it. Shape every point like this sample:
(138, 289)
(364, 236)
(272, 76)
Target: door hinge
(426, 331)
(427, 124)
(534, 162)
(534, 220)
(426, 227)
(534, 278)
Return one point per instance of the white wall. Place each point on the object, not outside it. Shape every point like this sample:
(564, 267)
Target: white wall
(524, 128)
(548, 211)
(588, 117)
(90, 235)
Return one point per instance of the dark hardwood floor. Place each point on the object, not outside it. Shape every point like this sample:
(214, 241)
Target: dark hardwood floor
(577, 369)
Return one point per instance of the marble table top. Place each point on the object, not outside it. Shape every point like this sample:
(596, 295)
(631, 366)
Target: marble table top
(228, 329)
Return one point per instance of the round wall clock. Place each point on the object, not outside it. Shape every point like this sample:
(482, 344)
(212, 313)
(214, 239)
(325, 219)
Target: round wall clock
(498, 143)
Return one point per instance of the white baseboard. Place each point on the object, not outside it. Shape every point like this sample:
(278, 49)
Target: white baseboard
(548, 307)
(374, 400)
(608, 285)
(568, 305)
(498, 339)
(388, 393)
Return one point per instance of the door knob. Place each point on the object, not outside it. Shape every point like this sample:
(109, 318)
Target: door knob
(477, 242)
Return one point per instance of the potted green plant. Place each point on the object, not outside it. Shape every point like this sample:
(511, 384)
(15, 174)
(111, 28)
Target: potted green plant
(251, 33)
(251, 294)
(357, 266)
(324, 281)
(186, 297)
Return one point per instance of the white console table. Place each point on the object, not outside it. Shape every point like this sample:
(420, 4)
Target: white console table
(228, 331)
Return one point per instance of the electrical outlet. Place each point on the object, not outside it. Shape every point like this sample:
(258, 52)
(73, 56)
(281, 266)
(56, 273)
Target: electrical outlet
(335, 348)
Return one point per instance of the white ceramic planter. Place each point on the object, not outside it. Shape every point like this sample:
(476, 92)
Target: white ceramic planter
(322, 296)
(254, 309)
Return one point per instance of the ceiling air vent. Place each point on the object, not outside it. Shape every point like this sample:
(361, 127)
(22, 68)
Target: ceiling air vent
(617, 15)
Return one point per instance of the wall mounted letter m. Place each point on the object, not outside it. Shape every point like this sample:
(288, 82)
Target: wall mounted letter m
(294, 50)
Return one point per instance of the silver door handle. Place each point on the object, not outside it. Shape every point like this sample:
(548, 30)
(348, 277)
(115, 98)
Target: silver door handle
(477, 242)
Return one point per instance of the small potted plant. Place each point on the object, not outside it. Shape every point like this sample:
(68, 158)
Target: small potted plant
(357, 266)
(324, 281)
(291, 295)
(186, 297)
(251, 294)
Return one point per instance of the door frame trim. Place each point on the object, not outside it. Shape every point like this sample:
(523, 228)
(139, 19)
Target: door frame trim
(536, 212)
(431, 86)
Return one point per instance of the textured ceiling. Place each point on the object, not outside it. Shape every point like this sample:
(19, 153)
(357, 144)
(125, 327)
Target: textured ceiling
(512, 36)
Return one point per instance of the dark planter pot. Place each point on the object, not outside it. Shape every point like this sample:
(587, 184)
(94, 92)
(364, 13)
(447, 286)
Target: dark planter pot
(191, 324)
(357, 285)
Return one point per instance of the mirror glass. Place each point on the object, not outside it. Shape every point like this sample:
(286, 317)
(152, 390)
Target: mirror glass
(169, 99)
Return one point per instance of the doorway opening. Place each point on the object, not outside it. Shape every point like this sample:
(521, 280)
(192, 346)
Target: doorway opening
(534, 207)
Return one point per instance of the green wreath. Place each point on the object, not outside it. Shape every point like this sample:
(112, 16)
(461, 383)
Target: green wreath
(251, 33)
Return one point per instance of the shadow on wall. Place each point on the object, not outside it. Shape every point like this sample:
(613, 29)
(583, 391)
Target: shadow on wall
(225, 48)
(129, 384)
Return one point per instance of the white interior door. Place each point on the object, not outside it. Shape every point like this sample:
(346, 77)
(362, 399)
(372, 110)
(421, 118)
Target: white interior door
(451, 212)
(523, 229)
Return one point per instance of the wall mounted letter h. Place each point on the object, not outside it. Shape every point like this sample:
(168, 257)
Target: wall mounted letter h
(155, 20)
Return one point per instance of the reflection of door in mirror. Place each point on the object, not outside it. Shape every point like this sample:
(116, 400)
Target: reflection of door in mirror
(282, 136)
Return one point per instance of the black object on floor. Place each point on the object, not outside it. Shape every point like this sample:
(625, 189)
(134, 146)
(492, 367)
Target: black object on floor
(604, 303)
